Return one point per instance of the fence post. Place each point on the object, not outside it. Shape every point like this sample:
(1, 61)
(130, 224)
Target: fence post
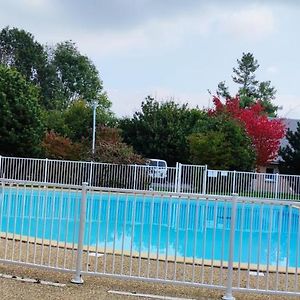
(78, 279)
(176, 177)
(1, 175)
(91, 173)
(179, 178)
(228, 295)
(205, 180)
(233, 182)
(46, 170)
(134, 177)
(276, 185)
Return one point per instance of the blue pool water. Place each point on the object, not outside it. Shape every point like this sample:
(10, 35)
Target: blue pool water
(161, 226)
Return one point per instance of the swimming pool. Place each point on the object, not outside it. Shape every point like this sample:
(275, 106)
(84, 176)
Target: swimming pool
(165, 226)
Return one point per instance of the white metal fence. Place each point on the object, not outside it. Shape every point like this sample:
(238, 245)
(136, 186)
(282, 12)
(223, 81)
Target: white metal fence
(180, 179)
(191, 239)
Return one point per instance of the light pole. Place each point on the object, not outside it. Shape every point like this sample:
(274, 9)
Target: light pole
(95, 105)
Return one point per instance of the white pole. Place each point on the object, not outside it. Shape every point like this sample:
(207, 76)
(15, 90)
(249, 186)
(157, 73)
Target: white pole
(179, 178)
(46, 170)
(78, 279)
(134, 177)
(95, 105)
(276, 185)
(233, 182)
(205, 180)
(176, 178)
(228, 295)
(91, 173)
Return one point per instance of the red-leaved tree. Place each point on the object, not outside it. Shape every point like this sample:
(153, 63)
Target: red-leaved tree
(265, 133)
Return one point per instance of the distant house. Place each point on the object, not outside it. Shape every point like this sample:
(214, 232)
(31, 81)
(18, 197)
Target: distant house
(273, 167)
(269, 181)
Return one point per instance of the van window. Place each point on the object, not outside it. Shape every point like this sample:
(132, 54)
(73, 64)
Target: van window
(153, 163)
(161, 164)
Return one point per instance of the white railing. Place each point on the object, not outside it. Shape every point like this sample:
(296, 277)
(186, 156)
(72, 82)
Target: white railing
(225, 242)
(180, 179)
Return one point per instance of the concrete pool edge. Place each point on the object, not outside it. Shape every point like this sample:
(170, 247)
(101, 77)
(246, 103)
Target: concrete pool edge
(146, 255)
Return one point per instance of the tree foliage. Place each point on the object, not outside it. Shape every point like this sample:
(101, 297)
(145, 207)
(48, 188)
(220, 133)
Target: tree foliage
(61, 72)
(290, 154)
(221, 144)
(75, 122)
(19, 50)
(77, 76)
(250, 90)
(110, 148)
(265, 133)
(159, 130)
(58, 147)
(21, 122)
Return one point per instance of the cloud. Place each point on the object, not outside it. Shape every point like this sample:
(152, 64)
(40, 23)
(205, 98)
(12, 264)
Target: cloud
(253, 23)
(107, 27)
(272, 69)
(160, 93)
(290, 106)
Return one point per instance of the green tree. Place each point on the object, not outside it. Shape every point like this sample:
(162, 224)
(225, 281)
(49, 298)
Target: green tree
(19, 50)
(77, 75)
(221, 144)
(21, 123)
(250, 90)
(61, 72)
(159, 130)
(290, 154)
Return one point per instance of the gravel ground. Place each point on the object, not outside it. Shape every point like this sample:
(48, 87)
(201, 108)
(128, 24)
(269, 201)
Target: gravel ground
(98, 287)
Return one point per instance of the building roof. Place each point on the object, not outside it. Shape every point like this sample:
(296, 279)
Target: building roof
(290, 124)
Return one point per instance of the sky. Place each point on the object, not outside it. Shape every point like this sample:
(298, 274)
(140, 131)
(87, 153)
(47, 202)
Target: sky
(171, 49)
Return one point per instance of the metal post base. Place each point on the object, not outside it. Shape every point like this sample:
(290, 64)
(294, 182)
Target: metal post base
(77, 280)
(228, 297)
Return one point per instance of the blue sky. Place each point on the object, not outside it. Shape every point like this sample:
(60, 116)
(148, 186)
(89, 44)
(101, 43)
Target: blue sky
(171, 49)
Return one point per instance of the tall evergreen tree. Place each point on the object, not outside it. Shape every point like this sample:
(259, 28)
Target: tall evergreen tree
(250, 89)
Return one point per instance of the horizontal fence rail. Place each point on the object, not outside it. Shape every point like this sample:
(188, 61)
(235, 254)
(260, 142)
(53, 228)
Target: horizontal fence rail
(180, 179)
(227, 242)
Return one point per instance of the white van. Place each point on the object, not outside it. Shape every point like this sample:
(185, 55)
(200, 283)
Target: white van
(157, 168)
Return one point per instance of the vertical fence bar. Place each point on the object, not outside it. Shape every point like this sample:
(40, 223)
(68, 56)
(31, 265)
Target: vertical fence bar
(176, 178)
(233, 182)
(205, 180)
(91, 173)
(228, 295)
(134, 177)
(78, 279)
(179, 177)
(1, 175)
(276, 185)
